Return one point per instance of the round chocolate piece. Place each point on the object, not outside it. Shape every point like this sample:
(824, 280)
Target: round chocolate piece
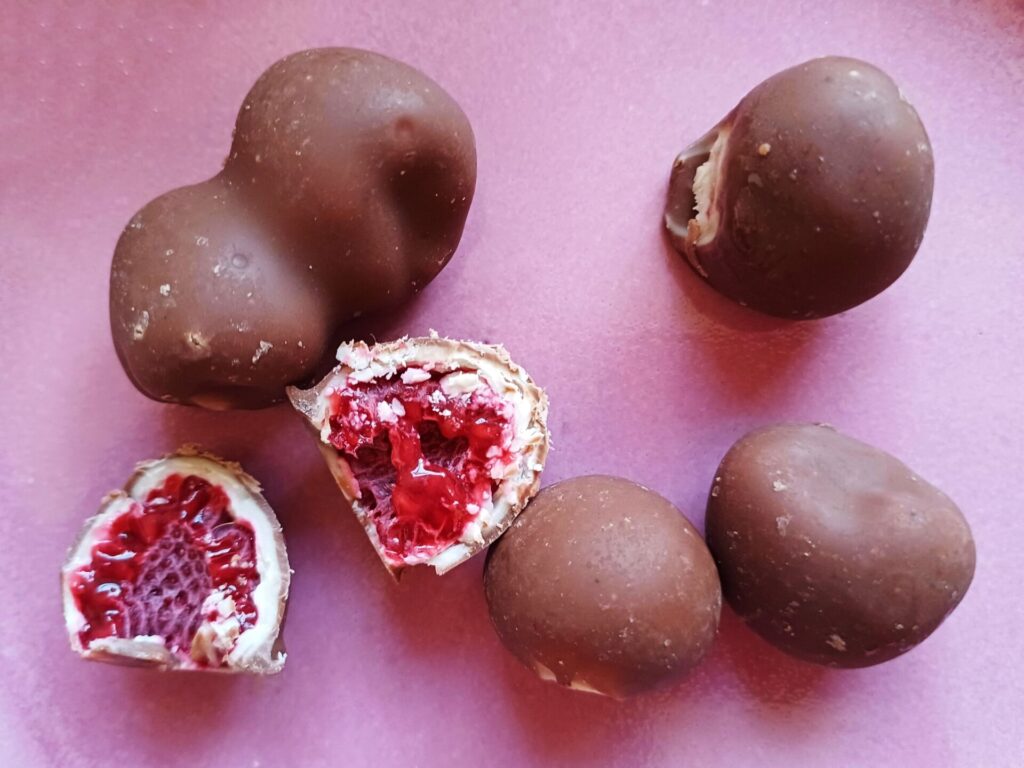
(811, 196)
(832, 550)
(348, 183)
(602, 585)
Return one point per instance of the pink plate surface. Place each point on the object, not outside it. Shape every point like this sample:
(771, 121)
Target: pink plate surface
(579, 109)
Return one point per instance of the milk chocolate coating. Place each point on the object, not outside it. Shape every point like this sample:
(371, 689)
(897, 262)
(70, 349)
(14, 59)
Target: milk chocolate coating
(603, 585)
(345, 191)
(822, 194)
(832, 550)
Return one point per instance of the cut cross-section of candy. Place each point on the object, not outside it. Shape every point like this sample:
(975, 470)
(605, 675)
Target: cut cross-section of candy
(437, 444)
(183, 569)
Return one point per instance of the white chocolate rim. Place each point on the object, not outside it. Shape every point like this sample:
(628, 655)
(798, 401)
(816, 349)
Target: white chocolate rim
(699, 230)
(705, 192)
(577, 683)
(253, 649)
(519, 479)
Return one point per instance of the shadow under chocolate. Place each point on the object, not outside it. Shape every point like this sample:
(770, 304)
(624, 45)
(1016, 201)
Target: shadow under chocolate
(747, 351)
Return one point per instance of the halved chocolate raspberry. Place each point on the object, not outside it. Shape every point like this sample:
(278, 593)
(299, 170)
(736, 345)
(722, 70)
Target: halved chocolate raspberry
(437, 444)
(183, 569)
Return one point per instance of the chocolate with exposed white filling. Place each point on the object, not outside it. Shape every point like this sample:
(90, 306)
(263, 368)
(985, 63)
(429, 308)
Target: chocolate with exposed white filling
(811, 196)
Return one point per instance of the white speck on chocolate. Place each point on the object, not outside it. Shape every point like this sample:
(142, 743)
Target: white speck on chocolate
(837, 642)
(265, 346)
(139, 329)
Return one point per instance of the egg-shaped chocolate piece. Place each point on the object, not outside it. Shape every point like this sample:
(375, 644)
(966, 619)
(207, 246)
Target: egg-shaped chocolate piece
(811, 196)
(832, 550)
(603, 586)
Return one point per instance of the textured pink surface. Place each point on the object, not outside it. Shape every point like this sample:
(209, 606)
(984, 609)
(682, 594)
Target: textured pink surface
(579, 111)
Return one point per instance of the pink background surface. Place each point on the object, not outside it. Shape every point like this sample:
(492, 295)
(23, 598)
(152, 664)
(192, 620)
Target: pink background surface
(578, 111)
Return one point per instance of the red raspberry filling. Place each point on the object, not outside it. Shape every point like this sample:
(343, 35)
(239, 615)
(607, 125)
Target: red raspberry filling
(154, 566)
(422, 457)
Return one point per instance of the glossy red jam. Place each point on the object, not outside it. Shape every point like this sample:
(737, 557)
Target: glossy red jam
(422, 458)
(154, 566)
